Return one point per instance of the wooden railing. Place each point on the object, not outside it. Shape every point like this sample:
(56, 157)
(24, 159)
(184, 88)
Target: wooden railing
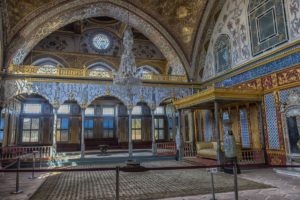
(189, 150)
(166, 148)
(169, 148)
(10, 153)
(85, 73)
(251, 156)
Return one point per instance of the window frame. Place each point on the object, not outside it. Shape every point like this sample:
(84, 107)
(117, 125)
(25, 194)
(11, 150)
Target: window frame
(158, 128)
(107, 130)
(135, 129)
(30, 130)
(88, 129)
(59, 130)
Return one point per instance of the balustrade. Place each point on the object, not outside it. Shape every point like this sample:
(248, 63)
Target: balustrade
(74, 72)
(251, 156)
(10, 153)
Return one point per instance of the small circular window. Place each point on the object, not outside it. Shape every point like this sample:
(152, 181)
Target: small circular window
(101, 41)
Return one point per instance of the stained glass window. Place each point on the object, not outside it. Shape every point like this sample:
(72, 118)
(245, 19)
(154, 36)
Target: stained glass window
(222, 53)
(64, 109)
(137, 110)
(108, 111)
(101, 41)
(90, 111)
(32, 108)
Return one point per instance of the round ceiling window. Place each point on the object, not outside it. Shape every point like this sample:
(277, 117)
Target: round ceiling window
(101, 41)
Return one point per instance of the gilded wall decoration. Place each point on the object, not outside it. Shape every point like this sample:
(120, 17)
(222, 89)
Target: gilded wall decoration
(180, 17)
(233, 22)
(45, 25)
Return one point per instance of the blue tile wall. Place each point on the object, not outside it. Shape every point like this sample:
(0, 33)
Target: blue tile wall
(271, 117)
(262, 70)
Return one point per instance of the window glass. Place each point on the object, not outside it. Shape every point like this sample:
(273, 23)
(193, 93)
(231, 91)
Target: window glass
(1, 135)
(62, 132)
(101, 41)
(137, 110)
(26, 136)
(136, 129)
(64, 123)
(35, 123)
(2, 123)
(32, 108)
(26, 123)
(89, 123)
(30, 131)
(159, 128)
(108, 128)
(109, 111)
(90, 111)
(64, 109)
(159, 110)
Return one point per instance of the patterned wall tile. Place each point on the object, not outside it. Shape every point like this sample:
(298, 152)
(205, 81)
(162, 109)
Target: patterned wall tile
(283, 94)
(271, 119)
(265, 69)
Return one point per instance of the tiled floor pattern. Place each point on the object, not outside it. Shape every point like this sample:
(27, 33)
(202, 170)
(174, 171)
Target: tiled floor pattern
(156, 185)
(136, 185)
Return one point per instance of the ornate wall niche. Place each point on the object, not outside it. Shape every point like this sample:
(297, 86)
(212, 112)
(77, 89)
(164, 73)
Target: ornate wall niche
(291, 117)
(222, 52)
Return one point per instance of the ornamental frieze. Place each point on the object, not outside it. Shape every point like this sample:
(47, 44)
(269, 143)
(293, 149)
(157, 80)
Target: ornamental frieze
(57, 93)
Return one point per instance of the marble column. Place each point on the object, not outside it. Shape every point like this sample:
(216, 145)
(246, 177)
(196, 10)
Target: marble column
(217, 133)
(153, 132)
(179, 137)
(54, 143)
(130, 132)
(82, 146)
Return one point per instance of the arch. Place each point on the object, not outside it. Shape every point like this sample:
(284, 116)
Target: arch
(147, 69)
(110, 95)
(38, 60)
(47, 22)
(29, 93)
(222, 53)
(47, 61)
(100, 66)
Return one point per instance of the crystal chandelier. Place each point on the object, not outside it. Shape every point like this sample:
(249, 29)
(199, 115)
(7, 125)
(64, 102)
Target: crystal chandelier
(127, 75)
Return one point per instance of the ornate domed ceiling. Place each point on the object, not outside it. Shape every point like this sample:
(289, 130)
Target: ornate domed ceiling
(181, 18)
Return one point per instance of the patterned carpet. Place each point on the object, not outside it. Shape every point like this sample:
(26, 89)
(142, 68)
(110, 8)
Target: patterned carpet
(140, 185)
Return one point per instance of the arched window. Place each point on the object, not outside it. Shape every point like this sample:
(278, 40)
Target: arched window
(147, 69)
(47, 62)
(100, 66)
(222, 53)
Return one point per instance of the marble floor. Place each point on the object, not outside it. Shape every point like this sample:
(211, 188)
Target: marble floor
(283, 187)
